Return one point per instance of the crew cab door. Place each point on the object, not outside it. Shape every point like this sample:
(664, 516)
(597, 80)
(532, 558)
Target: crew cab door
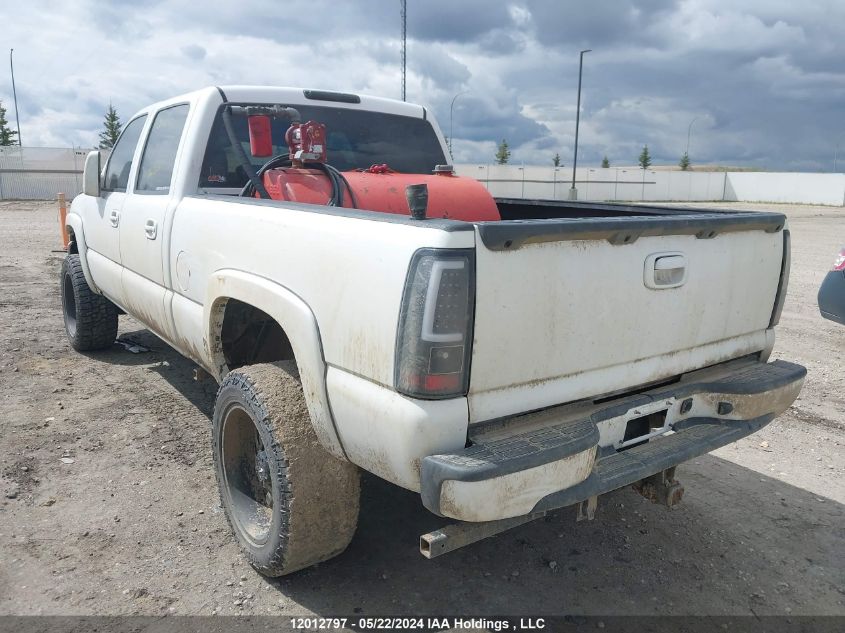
(143, 235)
(102, 223)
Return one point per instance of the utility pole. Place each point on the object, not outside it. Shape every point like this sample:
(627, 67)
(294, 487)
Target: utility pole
(404, 12)
(15, 95)
(573, 192)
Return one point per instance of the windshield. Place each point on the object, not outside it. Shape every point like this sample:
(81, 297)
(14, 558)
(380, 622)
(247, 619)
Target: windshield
(356, 140)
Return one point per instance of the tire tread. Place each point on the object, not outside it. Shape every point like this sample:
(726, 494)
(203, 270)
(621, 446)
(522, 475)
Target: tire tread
(319, 492)
(96, 316)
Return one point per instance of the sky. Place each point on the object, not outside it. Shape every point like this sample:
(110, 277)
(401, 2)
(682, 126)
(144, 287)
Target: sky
(760, 82)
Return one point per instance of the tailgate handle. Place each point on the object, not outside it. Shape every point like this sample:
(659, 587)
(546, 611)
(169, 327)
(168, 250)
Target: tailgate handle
(665, 270)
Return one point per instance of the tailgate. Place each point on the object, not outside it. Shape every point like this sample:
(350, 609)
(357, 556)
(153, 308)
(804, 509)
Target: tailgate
(580, 308)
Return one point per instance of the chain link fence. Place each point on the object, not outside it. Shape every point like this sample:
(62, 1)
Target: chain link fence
(40, 173)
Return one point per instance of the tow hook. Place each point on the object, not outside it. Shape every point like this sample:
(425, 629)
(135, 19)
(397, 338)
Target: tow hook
(661, 488)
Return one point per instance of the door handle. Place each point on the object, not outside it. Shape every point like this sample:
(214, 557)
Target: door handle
(151, 229)
(665, 270)
(114, 217)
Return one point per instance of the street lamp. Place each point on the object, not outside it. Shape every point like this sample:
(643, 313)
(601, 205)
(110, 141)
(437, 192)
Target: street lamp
(573, 192)
(403, 11)
(689, 131)
(451, 108)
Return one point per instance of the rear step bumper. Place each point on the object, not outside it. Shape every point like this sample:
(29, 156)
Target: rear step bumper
(561, 460)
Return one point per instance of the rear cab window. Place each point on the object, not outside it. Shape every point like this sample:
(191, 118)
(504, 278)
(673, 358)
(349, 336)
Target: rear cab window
(356, 139)
(120, 162)
(156, 168)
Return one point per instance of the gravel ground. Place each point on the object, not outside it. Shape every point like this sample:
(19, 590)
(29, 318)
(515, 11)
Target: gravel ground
(133, 525)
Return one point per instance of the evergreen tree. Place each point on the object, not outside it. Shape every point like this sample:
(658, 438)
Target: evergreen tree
(605, 163)
(7, 134)
(503, 154)
(684, 162)
(645, 158)
(111, 128)
(556, 160)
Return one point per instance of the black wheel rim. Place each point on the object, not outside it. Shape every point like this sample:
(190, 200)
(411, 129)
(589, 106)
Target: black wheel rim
(69, 305)
(247, 477)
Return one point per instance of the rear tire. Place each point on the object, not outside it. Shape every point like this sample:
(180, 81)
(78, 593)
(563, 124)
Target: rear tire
(90, 319)
(290, 503)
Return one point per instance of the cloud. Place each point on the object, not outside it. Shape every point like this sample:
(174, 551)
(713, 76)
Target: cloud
(194, 52)
(434, 63)
(763, 79)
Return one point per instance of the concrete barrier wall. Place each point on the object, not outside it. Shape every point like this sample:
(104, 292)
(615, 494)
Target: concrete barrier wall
(550, 183)
(786, 187)
(40, 172)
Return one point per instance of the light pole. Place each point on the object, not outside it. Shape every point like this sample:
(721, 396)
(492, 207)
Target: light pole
(573, 192)
(403, 10)
(15, 95)
(689, 131)
(451, 108)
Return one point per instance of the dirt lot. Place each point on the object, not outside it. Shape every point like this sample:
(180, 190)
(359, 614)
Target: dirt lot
(133, 524)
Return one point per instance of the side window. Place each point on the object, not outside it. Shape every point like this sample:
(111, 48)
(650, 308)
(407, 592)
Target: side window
(160, 152)
(120, 161)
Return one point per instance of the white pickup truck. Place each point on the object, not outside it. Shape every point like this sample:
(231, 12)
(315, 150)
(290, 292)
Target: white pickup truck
(503, 358)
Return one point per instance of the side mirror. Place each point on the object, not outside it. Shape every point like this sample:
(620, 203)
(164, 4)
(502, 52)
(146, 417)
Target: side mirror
(91, 175)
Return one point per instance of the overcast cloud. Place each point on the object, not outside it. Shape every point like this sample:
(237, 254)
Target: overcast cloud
(764, 80)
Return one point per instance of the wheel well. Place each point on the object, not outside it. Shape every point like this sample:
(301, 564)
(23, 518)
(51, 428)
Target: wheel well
(249, 336)
(72, 248)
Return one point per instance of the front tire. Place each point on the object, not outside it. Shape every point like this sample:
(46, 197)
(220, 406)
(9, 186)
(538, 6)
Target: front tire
(90, 319)
(290, 503)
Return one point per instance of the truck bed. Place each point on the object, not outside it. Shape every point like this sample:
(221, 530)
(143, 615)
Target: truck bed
(618, 223)
(526, 209)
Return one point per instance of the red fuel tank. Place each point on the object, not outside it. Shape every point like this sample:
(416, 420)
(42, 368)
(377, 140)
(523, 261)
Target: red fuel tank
(449, 196)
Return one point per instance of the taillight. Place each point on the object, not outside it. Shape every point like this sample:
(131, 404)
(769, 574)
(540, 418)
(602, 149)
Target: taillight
(435, 324)
(839, 262)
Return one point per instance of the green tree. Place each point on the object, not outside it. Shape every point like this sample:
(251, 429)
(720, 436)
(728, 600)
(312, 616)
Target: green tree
(556, 160)
(7, 134)
(503, 154)
(605, 163)
(684, 162)
(645, 158)
(111, 128)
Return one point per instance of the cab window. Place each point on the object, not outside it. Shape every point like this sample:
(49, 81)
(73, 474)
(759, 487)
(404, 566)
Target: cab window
(156, 169)
(120, 161)
(355, 139)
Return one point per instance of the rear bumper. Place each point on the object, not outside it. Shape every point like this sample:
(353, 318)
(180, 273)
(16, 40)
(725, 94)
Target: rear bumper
(560, 456)
(832, 296)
